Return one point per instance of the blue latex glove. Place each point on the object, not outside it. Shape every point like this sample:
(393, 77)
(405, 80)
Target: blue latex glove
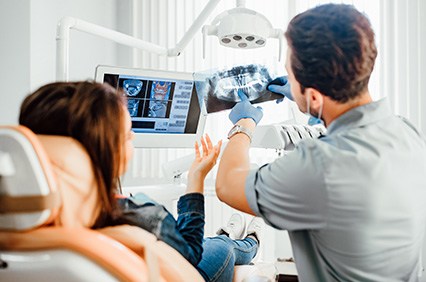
(245, 109)
(280, 85)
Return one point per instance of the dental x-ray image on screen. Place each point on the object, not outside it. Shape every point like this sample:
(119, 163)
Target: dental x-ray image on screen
(134, 89)
(160, 91)
(217, 89)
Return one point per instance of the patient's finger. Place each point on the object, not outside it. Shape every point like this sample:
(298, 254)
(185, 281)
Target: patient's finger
(217, 150)
(209, 142)
(197, 150)
(218, 147)
(203, 144)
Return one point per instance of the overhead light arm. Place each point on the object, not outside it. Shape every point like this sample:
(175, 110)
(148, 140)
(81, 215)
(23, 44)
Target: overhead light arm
(194, 28)
(68, 23)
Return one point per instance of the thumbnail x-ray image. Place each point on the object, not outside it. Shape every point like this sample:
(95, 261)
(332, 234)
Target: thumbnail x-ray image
(218, 89)
(132, 87)
(160, 92)
(157, 109)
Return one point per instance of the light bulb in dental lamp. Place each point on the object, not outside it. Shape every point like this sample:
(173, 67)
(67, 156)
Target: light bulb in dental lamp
(242, 28)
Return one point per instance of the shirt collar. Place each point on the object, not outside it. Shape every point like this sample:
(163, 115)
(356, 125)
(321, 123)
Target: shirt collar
(362, 115)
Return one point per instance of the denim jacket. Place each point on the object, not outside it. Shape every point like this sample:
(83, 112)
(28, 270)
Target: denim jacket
(184, 234)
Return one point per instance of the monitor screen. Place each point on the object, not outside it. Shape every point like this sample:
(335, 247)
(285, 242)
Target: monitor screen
(163, 105)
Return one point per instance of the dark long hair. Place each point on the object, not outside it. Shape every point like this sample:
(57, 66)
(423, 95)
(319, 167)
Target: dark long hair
(333, 50)
(91, 113)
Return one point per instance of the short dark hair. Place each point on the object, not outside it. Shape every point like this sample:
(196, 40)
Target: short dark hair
(333, 50)
(91, 113)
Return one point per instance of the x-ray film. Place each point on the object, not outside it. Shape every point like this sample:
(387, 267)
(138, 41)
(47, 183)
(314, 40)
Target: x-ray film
(218, 89)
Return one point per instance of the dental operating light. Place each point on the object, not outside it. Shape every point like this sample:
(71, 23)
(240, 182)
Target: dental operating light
(242, 28)
(239, 28)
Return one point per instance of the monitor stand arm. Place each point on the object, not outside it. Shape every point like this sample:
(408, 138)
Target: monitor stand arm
(68, 23)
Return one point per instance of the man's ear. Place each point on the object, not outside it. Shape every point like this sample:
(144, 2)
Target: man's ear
(316, 98)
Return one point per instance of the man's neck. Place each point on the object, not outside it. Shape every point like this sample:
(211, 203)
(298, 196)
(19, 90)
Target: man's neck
(333, 110)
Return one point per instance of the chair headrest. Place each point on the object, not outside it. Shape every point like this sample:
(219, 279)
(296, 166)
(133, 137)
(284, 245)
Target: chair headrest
(28, 190)
(45, 180)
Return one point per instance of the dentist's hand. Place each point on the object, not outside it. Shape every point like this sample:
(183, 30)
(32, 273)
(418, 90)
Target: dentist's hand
(280, 85)
(245, 109)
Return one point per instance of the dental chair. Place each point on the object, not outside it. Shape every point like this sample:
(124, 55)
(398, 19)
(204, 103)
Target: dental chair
(45, 214)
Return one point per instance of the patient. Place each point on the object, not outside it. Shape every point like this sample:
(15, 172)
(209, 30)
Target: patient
(97, 117)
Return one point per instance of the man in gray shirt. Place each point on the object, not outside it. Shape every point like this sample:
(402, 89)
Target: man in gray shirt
(354, 201)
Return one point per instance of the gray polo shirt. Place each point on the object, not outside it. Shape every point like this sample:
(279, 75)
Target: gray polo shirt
(354, 201)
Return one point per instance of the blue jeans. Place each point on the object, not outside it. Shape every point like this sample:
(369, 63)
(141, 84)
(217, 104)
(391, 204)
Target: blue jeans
(221, 254)
(214, 257)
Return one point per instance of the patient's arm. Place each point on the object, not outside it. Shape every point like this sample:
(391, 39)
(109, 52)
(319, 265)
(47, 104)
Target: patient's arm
(133, 237)
(173, 266)
(204, 161)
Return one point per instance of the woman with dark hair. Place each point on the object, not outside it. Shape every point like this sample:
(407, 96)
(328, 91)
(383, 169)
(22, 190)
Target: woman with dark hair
(96, 116)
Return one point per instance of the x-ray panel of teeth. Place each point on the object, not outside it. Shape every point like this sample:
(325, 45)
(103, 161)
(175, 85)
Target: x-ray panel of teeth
(218, 89)
(132, 86)
(251, 79)
(133, 106)
(135, 90)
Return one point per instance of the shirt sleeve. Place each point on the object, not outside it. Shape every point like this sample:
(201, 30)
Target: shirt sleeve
(290, 193)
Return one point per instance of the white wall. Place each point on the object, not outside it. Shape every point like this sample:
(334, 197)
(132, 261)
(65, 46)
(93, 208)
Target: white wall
(14, 57)
(27, 49)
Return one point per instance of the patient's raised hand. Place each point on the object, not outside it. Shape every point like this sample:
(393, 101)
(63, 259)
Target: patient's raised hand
(204, 161)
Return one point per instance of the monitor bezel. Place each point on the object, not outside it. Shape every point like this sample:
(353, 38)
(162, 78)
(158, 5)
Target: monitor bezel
(158, 140)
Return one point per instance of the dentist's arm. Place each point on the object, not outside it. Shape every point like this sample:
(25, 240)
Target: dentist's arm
(235, 164)
(233, 170)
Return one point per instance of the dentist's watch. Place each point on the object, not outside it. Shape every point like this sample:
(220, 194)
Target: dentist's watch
(239, 129)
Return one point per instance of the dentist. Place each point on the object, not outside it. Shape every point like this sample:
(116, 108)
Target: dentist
(354, 201)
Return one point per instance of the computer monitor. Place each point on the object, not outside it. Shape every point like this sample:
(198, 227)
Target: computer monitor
(163, 105)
